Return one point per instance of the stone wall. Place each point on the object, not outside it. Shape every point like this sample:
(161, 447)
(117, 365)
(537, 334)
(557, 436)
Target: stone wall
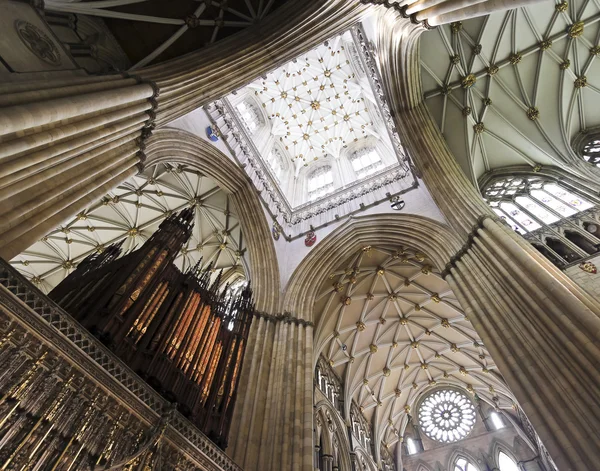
(588, 281)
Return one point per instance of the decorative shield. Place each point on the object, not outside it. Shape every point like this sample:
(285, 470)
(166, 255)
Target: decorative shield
(588, 267)
(212, 134)
(397, 203)
(311, 238)
(276, 230)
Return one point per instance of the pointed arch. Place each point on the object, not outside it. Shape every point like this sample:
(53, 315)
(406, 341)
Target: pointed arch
(460, 459)
(424, 234)
(174, 145)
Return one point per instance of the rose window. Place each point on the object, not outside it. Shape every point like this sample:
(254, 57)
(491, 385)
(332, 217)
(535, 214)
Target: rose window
(447, 415)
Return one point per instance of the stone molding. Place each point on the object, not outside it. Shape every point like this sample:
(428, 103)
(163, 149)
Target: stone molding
(286, 318)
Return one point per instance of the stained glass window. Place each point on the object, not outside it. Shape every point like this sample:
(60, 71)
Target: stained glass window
(506, 463)
(365, 162)
(320, 182)
(447, 415)
(527, 203)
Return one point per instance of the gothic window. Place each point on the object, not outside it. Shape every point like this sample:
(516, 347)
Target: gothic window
(506, 463)
(590, 150)
(446, 415)
(462, 464)
(529, 203)
(275, 163)
(320, 182)
(250, 116)
(411, 446)
(496, 421)
(365, 162)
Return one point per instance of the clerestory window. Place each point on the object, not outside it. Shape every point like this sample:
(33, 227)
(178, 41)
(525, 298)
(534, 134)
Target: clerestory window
(250, 116)
(365, 162)
(320, 182)
(529, 203)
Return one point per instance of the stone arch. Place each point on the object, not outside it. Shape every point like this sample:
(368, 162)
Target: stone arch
(498, 446)
(338, 434)
(363, 456)
(421, 233)
(459, 453)
(174, 145)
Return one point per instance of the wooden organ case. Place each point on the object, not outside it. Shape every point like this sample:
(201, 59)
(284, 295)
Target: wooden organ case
(177, 330)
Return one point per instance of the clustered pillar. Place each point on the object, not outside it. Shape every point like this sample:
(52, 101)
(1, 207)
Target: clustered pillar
(541, 329)
(272, 424)
(63, 145)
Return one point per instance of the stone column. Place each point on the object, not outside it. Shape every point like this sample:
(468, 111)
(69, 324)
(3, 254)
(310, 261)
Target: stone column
(272, 423)
(54, 132)
(327, 463)
(62, 147)
(541, 329)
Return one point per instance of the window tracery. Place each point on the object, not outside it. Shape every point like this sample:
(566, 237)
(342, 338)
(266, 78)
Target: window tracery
(446, 415)
(555, 219)
(591, 151)
(365, 161)
(463, 464)
(250, 116)
(360, 428)
(275, 161)
(329, 384)
(587, 145)
(320, 182)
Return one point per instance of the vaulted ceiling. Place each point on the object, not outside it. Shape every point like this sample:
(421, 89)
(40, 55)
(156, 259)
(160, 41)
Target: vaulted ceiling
(391, 328)
(516, 87)
(131, 213)
(320, 102)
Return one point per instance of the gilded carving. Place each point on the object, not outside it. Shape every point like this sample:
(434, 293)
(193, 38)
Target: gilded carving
(533, 113)
(469, 81)
(576, 29)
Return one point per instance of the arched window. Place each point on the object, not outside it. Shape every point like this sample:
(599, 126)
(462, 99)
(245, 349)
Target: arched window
(506, 463)
(496, 421)
(250, 116)
(587, 145)
(462, 464)
(411, 446)
(529, 203)
(365, 161)
(320, 182)
(591, 151)
(276, 163)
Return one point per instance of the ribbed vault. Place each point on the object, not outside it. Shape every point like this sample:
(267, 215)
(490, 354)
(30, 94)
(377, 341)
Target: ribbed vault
(516, 87)
(130, 213)
(387, 322)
